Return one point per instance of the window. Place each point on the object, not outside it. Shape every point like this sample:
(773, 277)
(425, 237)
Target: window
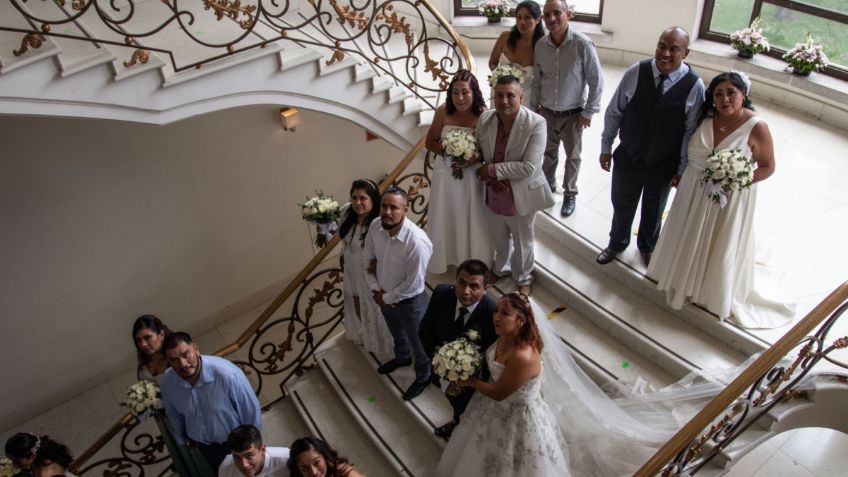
(585, 10)
(784, 23)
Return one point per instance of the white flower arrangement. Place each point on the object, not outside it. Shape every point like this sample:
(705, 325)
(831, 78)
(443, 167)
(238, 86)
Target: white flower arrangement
(322, 210)
(728, 170)
(506, 69)
(807, 57)
(750, 40)
(460, 145)
(143, 398)
(7, 467)
(494, 8)
(458, 360)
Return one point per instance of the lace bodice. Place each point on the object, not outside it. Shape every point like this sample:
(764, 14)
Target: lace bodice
(523, 395)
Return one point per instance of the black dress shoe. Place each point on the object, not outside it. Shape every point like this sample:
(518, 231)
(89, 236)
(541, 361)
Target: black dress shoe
(445, 431)
(414, 389)
(646, 257)
(568, 204)
(392, 365)
(606, 256)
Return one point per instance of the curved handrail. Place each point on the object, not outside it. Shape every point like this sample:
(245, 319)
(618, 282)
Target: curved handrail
(720, 403)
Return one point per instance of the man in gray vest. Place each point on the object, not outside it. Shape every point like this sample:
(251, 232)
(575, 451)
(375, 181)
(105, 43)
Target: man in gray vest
(654, 112)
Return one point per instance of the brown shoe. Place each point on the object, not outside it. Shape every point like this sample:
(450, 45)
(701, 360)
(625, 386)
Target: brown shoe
(606, 256)
(525, 290)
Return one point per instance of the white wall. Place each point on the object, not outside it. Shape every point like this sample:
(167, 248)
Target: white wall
(103, 221)
(636, 25)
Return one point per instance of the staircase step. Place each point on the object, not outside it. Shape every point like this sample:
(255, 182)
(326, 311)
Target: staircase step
(413, 105)
(377, 410)
(282, 424)
(425, 118)
(363, 72)
(398, 94)
(348, 62)
(294, 55)
(380, 84)
(224, 63)
(10, 41)
(326, 417)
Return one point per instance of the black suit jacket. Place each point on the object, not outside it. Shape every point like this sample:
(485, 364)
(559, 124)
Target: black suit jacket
(439, 325)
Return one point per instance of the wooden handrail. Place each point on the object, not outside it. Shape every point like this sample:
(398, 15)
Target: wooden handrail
(743, 382)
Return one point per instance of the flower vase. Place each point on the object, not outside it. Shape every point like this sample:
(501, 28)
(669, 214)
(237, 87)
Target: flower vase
(796, 71)
(494, 19)
(745, 54)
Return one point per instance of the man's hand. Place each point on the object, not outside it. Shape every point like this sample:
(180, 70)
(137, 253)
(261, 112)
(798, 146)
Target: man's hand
(606, 161)
(372, 267)
(500, 186)
(675, 180)
(378, 297)
(482, 173)
(583, 122)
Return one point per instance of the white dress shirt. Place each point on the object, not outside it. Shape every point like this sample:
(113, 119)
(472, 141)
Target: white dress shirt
(401, 260)
(275, 464)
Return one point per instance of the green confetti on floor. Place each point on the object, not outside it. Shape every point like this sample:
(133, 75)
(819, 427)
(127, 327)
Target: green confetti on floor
(625, 364)
(371, 399)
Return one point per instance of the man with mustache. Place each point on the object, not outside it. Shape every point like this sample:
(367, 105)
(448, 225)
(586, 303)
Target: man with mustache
(654, 112)
(205, 398)
(396, 254)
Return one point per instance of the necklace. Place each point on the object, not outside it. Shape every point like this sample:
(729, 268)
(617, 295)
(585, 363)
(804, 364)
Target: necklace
(726, 127)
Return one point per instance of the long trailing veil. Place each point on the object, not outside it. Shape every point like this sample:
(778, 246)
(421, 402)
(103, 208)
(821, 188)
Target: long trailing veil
(614, 437)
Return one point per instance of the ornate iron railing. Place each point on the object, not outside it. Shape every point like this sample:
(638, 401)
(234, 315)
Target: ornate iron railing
(757, 390)
(394, 36)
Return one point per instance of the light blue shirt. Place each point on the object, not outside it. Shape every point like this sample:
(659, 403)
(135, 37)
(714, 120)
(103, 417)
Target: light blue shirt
(567, 76)
(221, 400)
(627, 88)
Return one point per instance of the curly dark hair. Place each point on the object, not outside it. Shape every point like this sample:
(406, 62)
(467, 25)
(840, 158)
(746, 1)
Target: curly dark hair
(708, 108)
(535, 11)
(478, 105)
(311, 443)
(370, 187)
(528, 334)
(50, 451)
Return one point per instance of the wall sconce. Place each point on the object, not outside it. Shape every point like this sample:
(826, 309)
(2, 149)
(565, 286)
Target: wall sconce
(290, 118)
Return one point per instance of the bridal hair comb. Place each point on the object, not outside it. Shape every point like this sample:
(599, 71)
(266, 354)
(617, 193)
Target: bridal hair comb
(745, 79)
(37, 445)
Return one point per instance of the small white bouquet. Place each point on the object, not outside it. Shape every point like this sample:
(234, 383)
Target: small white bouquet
(750, 41)
(7, 467)
(458, 360)
(143, 398)
(460, 145)
(494, 9)
(323, 211)
(506, 69)
(807, 57)
(728, 170)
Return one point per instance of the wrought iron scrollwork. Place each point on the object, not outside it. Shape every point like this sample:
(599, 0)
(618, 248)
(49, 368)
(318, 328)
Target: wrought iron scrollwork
(394, 35)
(142, 451)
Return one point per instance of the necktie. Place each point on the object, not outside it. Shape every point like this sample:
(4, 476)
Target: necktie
(660, 91)
(463, 312)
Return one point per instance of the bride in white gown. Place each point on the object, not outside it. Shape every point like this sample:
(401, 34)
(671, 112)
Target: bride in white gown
(516, 45)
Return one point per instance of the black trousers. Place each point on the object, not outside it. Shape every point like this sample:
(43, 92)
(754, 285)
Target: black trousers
(214, 454)
(630, 182)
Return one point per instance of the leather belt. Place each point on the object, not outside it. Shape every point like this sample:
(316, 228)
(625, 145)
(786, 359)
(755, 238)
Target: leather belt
(567, 112)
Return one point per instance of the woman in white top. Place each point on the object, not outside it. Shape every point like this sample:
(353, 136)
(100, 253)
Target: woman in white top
(516, 45)
(148, 335)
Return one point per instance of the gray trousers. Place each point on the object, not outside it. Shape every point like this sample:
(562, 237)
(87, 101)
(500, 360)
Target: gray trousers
(403, 320)
(562, 129)
(513, 239)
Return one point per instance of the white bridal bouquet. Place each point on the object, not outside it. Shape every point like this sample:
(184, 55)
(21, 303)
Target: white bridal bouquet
(727, 170)
(7, 468)
(323, 211)
(143, 398)
(750, 41)
(506, 69)
(460, 145)
(458, 360)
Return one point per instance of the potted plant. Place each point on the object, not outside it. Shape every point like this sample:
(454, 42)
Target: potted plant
(806, 57)
(749, 41)
(494, 10)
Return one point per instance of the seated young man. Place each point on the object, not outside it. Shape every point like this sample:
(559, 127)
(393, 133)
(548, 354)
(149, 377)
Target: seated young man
(249, 457)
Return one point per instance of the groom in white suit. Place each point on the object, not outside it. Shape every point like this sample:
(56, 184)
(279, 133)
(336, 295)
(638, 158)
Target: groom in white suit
(512, 144)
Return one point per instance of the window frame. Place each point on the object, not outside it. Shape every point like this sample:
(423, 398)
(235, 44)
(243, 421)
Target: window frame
(459, 11)
(775, 52)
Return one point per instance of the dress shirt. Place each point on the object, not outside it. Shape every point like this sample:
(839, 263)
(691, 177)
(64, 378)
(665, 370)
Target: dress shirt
(626, 90)
(221, 400)
(470, 309)
(401, 260)
(275, 464)
(563, 73)
(500, 202)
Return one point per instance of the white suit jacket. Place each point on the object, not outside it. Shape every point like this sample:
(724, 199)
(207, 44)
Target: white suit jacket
(522, 166)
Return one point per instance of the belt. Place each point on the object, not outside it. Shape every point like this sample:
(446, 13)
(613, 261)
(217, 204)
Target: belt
(567, 112)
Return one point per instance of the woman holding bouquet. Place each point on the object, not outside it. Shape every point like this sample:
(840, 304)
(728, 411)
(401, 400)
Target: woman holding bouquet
(515, 47)
(364, 323)
(706, 250)
(148, 335)
(456, 222)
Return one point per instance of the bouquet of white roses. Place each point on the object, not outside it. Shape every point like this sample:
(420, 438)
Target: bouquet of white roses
(807, 57)
(458, 360)
(750, 40)
(460, 145)
(322, 210)
(506, 69)
(727, 170)
(143, 398)
(494, 8)
(7, 467)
